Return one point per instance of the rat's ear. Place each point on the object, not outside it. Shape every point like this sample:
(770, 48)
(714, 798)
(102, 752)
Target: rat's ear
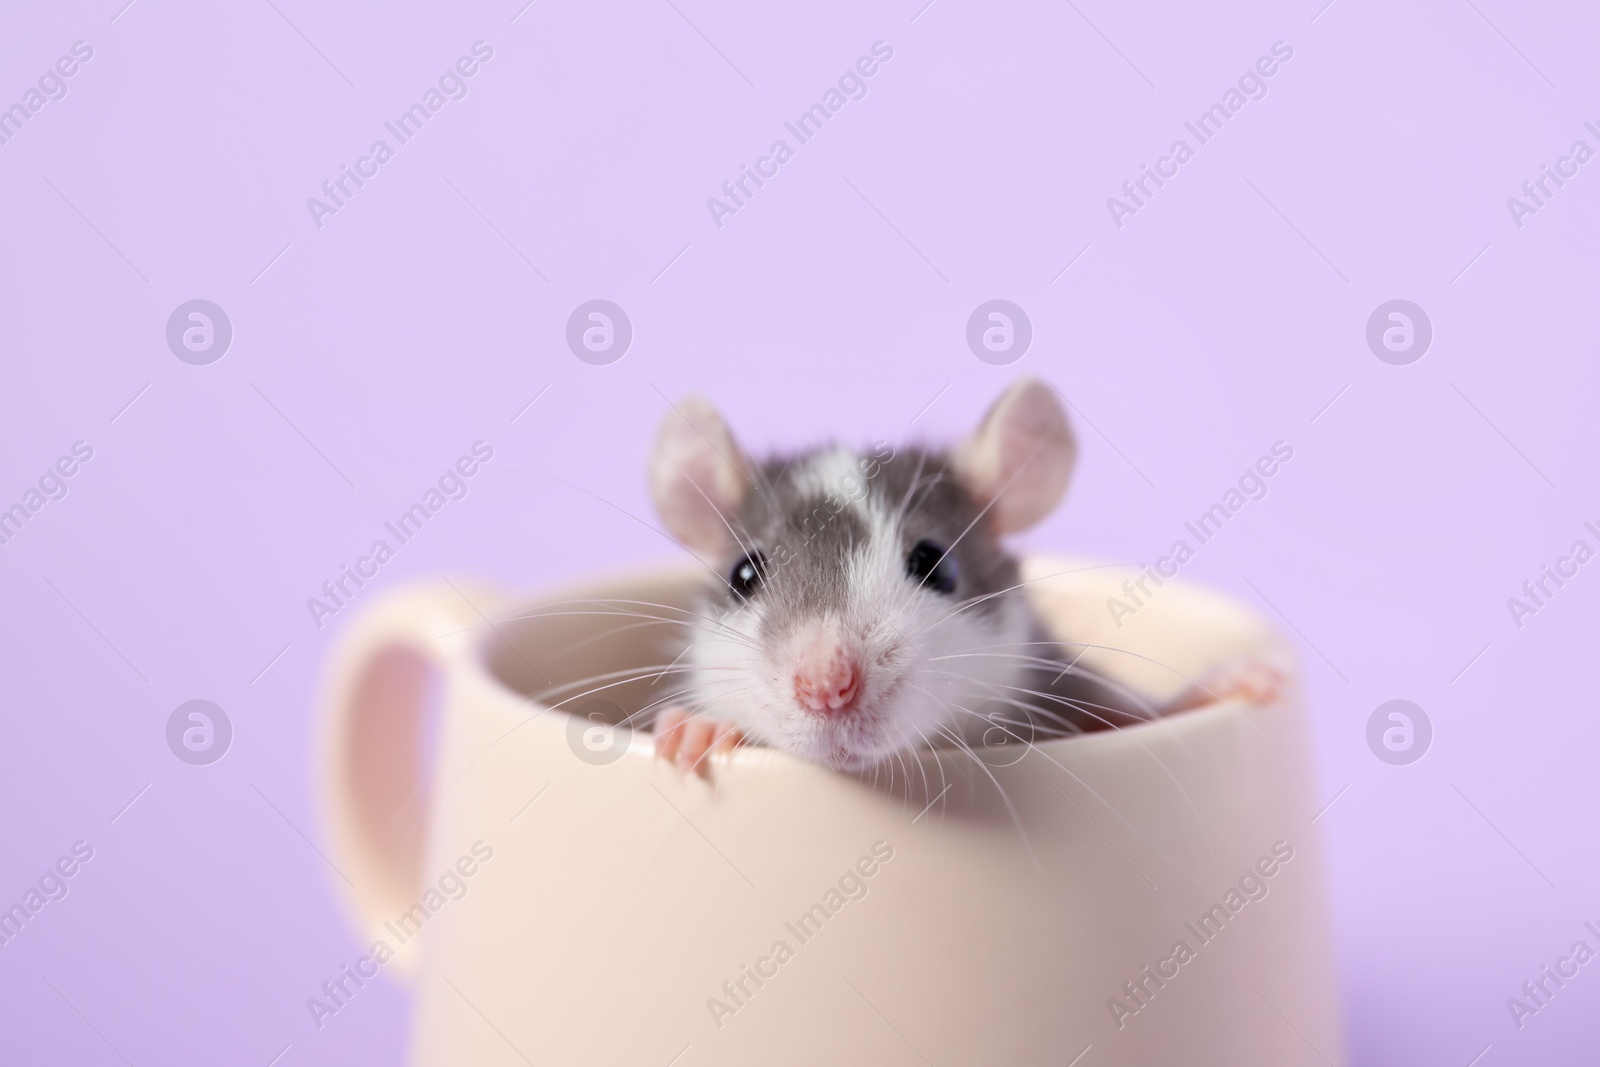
(1021, 456)
(697, 476)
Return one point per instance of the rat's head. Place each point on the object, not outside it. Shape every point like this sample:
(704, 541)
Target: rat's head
(865, 603)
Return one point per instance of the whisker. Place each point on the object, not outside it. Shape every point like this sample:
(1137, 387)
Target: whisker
(916, 480)
(974, 601)
(694, 706)
(652, 528)
(1157, 760)
(669, 666)
(633, 676)
(922, 764)
(1005, 798)
(694, 615)
(1097, 796)
(986, 509)
(737, 539)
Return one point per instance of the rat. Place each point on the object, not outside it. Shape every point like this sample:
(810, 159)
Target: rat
(861, 603)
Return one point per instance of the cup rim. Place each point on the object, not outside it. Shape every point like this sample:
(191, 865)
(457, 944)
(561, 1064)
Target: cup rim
(1186, 597)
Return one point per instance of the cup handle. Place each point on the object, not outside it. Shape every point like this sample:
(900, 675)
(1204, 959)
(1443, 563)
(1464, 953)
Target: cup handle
(387, 678)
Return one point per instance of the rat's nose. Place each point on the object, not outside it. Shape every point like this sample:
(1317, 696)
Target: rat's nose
(827, 684)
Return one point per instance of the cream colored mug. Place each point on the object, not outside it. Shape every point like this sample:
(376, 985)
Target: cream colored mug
(555, 895)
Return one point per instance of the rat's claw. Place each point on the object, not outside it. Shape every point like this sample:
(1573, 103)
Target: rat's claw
(687, 739)
(1255, 681)
(669, 730)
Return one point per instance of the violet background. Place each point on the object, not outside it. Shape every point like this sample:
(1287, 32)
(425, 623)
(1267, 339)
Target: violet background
(1224, 316)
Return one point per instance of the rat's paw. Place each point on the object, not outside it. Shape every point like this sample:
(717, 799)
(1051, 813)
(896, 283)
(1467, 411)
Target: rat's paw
(687, 739)
(1255, 681)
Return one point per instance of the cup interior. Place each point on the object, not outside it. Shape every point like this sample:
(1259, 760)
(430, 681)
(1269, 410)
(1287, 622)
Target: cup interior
(608, 650)
(604, 650)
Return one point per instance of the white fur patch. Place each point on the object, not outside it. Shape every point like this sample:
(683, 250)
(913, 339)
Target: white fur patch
(913, 645)
(835, 473)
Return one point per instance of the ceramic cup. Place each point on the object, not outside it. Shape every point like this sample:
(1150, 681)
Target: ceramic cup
(554, 895)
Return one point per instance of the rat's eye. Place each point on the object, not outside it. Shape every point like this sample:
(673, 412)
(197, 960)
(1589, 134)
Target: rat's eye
(932, 566)
(746, 575)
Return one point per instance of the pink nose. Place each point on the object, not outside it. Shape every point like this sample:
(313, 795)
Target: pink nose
(828, 685)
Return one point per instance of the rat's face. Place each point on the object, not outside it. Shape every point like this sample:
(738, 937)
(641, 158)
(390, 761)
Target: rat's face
(854, 593)
(865, 604)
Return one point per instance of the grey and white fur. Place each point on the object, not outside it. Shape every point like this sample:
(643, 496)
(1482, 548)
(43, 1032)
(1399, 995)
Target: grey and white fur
(862, 602)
